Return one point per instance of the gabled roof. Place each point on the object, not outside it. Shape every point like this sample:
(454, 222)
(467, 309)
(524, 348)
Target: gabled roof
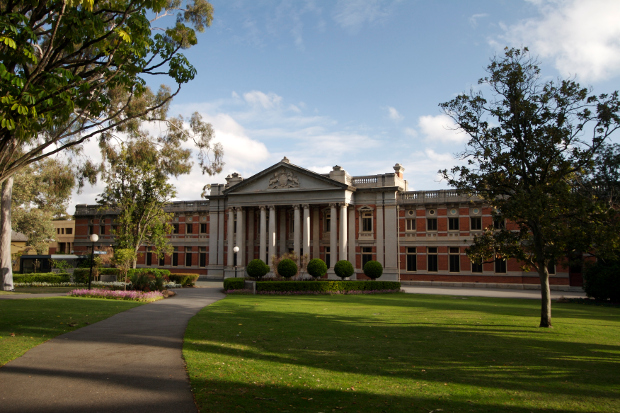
(286, 165)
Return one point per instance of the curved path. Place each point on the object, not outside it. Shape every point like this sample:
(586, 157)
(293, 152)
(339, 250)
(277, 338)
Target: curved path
(130, 362)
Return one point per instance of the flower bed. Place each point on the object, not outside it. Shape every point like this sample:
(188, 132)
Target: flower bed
(119, 295)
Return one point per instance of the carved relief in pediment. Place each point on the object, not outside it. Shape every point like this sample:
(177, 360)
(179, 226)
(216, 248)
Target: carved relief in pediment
(283, 179)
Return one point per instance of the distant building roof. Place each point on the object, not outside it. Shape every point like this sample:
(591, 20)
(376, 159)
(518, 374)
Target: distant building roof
(18, 236)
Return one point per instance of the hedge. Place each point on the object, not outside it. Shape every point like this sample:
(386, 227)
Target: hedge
(155, 271)
(601, 281)
(186, 280)
(320, 286)
(234, 284)
(81, 274)
(42, 277)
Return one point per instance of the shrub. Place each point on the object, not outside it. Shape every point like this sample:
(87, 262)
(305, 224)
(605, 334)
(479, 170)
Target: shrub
(343, 269)
(373, 269)
(80, 275)
(317, 267)
(257, 268)
(325, 287)
(185, 279)
(234, 284)
(44, 277)
(287, 268)
(602, 281)
(145, 279)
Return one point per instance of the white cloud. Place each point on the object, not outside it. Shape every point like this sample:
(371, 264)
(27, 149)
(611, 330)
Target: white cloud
(265, 100)
(411, 132)
(473, 19)
(393, 114)
(353, 14)
(440, 128)
(582, 37)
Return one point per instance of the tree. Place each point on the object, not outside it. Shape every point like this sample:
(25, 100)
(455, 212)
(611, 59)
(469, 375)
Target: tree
(531, 156)
(41, 194)
(71, 70)
(123, 260)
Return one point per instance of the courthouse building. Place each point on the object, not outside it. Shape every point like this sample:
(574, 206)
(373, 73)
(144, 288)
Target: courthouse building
(416, 235)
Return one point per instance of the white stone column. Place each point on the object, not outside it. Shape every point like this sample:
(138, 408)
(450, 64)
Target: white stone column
(272, 232)
(333, 233)
(306, 230)
(379, 234)
(240, 237)
(342, 253)
(316, 233)
(263, 233)
(296, 229)
(281, 213)
(231, 236)
(351, 240)
(220, 238)
(213, 238)
(250, 243)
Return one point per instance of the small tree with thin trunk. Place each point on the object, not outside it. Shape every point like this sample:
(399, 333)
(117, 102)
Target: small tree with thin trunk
(123, 260)
(532, 156)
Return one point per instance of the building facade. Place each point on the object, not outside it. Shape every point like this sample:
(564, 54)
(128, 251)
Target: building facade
(416, 235)
(64, 238)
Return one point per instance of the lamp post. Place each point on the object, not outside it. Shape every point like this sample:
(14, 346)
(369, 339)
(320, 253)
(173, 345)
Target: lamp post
(94, 238)
(236, 250)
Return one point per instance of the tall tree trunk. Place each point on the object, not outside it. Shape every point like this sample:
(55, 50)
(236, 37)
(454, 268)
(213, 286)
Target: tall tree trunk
(6, 266)
(545, 293)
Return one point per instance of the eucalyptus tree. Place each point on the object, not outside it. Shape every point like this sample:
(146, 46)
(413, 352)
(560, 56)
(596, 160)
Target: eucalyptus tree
(535, 149)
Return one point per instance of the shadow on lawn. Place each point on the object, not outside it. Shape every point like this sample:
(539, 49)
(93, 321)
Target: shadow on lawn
(490, 355)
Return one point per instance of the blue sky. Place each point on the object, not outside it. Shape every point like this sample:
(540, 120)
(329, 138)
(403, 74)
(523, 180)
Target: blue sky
(357, 83)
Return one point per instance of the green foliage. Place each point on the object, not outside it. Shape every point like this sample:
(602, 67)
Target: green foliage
(123, 259)
(344, 269)
(147, 281)
(52, 278)
(155, 271)
(257, 268)
(326, 286)
(373, 269)
(317, 268)
(80, 275)
(186, 280)
(287, 268)
(602, 281)
(234, 284)
(528, 157)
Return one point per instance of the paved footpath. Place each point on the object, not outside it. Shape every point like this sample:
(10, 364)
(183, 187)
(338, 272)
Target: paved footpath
(490, 292)
(130, 362)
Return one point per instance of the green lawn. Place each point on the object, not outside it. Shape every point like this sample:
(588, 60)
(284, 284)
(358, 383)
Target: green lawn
(402, 353)
(27, 323)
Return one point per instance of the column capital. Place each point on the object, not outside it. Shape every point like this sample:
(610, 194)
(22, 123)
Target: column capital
(262, 207)
(271, 207)
(344, 205)
(296, 206)
(238, 209)
(333, 204)
(305, 206)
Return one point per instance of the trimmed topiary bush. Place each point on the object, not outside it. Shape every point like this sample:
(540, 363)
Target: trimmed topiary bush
(257, 268)
(42, 277)
(317, 268)
(373, 269)
(185, 279)
(287, 268)
(343, 269)
(602, 281)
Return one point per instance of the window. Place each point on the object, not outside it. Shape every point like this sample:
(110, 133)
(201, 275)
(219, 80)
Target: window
(410, 224)
(366, 255)
(475, 267)
(411, 259)
(367, 221)
(175, 228)
(499, 223)
(162, 261)
(432, 259)
(102, 229)
(203, 256)
(551, 267)
(327, 254)
(203, 228)
(149, 256)
(453, 224)
(431, 224)
(189, 228)
(475, 223)
(188, 256)
(90, 230)
(175, 257)
(69, 231)
(327, 221)
(500, 265)
(455, 264)
(62, 231)
(58, 231)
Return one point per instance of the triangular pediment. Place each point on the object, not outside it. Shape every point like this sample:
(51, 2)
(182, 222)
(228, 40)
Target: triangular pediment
(282, 177)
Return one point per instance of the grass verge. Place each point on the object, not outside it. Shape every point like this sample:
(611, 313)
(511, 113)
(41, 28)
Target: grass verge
(402, 353)
(27, 323)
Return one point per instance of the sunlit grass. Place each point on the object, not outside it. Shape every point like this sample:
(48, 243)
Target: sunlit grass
(402, 353)
(29, 322)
